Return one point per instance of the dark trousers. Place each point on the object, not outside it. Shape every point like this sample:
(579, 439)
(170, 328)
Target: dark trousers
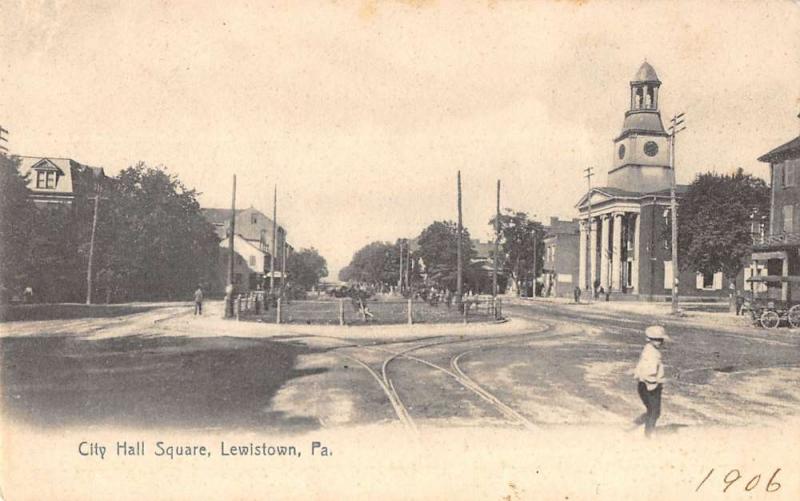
(198, 307)
(652, 402)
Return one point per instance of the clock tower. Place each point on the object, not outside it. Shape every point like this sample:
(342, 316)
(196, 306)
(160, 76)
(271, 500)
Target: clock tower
(641, 151)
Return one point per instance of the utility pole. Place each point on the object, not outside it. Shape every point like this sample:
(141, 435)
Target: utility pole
(459, 278)
(274, 247)
(677, 121)
(408, 264)
(400, 274)
(533, 282)
(91, 248)
(496, 242)
(590, 277)
(285, 248)
(231, 254)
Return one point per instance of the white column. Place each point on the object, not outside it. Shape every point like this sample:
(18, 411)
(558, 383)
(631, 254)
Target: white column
(582, 256)
(604, 257)
(616, 255)
(593, 251)
(636, 254)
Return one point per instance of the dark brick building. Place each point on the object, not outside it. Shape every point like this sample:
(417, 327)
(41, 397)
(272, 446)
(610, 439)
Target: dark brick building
(776, 255)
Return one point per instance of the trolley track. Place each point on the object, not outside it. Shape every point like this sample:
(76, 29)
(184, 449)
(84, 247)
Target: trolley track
(455, 372)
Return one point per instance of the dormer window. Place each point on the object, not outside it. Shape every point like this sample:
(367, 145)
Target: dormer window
(46, 179)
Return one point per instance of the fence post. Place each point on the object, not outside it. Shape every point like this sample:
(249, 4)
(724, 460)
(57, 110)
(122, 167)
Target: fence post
(498, 313)
(464, 308)
(341, 311)
(238, 306)
(278, 312)
(410, 315)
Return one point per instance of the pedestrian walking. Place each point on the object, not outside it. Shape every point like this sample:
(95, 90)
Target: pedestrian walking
(649, 373)
(28, 295)
(576, 294)
(739, 303)
(198, 301)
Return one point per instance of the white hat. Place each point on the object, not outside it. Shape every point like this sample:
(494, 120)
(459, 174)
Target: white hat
(656, 332)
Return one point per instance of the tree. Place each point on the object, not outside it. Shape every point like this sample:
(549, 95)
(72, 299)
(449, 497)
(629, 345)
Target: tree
(714, 221)
(376, 263)
(15, 226)
(438, 251)
(517, 236)
(306, 267)
(158, 244)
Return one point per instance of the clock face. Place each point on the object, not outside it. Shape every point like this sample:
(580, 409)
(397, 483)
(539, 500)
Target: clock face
(650, 148)
(621, 151)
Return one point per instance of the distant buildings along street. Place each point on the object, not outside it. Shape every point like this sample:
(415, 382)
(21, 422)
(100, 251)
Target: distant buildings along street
(253, 237)
(561, 270)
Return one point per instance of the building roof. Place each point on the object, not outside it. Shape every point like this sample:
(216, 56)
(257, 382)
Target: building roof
(642, 122)
(616, 193)
(646, 73)
(483, 250)
(74, 177)
(223, 216)
(561, 227)
(217, 215)
(785, 149)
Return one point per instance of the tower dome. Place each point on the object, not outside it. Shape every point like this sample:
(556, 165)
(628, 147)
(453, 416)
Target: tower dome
(646, 74)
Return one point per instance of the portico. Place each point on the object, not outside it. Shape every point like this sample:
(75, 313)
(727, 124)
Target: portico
(613, 241)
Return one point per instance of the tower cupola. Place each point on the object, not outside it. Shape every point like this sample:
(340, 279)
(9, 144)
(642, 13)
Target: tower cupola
(641, 151)
(644, 89)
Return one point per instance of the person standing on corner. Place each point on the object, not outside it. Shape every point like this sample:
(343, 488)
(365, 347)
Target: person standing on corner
(649, 373)
(198, 301)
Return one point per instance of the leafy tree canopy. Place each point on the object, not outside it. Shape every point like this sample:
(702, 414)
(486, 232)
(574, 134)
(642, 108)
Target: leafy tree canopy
(375, 263)
(306, 267)
(438, 249)
(518, 235)
(714, 221)
(16, 212)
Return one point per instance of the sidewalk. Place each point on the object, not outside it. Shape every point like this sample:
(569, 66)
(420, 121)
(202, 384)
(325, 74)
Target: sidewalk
(692, 313)
(212, 324)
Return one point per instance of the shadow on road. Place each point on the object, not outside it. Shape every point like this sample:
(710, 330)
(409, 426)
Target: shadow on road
(142, 381)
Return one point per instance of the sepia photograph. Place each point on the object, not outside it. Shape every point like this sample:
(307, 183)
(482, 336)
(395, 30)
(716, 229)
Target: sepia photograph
(402, 249)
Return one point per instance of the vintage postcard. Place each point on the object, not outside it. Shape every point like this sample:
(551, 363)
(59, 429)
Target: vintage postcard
(411, 249)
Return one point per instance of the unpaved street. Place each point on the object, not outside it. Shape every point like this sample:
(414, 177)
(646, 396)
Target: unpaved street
(553, 364)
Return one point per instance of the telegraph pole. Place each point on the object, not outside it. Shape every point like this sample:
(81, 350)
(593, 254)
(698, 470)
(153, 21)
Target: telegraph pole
(677, 122)
(231, 254)
(400, 274)
(408, 264)
(459, 278)
(91, 249)
(283, 267)
(590, 281)
(274, 247)
(496, 242)
(533, 283)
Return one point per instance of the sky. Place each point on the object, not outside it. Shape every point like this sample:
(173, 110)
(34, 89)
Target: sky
(362, 112)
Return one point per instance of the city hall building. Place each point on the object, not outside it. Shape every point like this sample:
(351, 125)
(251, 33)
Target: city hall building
(624, 243)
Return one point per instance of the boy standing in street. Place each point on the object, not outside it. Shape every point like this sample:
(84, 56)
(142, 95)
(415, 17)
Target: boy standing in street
(649, 373)
(198, 301)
